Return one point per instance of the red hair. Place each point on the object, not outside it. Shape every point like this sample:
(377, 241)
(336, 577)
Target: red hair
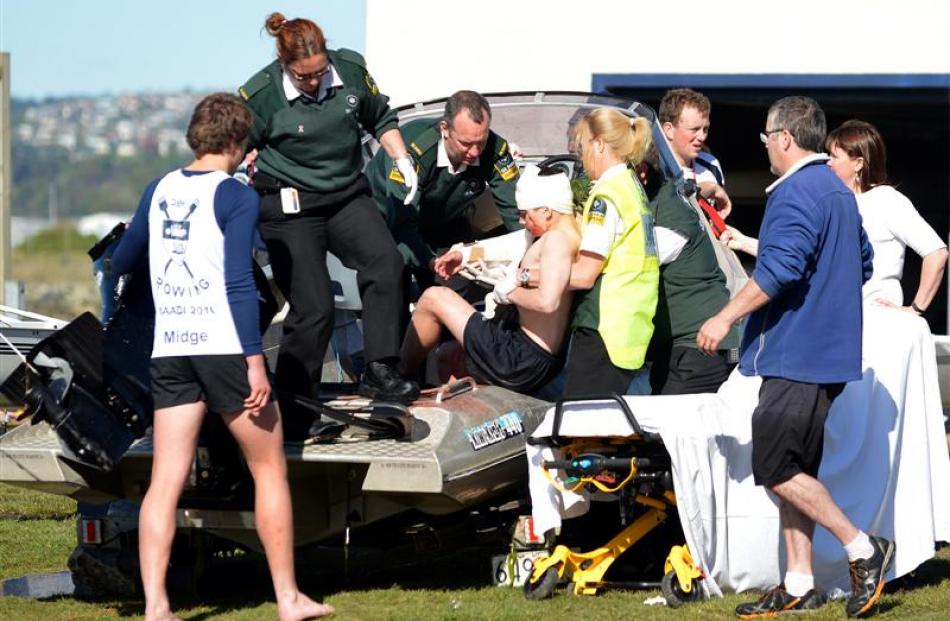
(296, 38)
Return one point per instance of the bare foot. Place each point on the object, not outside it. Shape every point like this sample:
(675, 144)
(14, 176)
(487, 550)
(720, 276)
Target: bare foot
(302, 607)
(160, 615)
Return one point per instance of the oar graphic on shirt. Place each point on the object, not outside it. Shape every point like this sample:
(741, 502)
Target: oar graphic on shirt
(175, 235)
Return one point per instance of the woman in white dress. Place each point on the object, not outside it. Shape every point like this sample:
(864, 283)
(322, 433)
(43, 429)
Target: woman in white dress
(892, 223)
(858, 157)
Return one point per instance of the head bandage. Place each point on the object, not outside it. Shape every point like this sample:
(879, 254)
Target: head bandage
(551, 191)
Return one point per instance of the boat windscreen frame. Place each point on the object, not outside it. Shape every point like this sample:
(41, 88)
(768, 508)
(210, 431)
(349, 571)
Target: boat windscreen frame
(669, 167)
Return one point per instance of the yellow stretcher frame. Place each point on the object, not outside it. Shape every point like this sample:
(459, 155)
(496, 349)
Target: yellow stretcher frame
(681, 580)
(587, 569)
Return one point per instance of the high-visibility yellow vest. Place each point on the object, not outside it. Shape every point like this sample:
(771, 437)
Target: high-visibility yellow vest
(622, 302)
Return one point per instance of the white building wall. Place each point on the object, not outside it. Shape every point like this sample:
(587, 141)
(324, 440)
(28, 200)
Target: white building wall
(424, 49)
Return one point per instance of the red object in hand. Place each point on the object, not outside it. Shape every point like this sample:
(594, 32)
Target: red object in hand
(715, 220)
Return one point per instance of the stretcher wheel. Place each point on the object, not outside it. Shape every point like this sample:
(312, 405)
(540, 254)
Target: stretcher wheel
(544, 587)
(675, 596)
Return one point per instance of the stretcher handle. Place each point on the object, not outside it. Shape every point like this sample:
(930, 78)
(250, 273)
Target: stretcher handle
(557, 440)
(600, 463)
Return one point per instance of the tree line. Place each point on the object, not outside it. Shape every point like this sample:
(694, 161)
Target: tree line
(47, 181)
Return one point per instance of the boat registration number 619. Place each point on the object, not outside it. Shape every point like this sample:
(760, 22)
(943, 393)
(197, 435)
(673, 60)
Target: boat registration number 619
(513, 574)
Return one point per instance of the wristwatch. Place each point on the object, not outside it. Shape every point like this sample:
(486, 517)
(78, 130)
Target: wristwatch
(916, 308)
(524, 277)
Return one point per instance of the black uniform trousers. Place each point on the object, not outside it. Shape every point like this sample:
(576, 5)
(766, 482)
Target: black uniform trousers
(349, 225)
(682, 370)
(589, 371)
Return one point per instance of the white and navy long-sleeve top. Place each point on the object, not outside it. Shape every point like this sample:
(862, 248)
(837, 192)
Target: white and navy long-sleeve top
(198, 229)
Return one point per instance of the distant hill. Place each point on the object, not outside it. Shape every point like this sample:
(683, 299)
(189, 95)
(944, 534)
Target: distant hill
(81, 155)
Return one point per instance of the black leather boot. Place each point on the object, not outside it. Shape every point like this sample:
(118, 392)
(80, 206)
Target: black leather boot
(381, 381)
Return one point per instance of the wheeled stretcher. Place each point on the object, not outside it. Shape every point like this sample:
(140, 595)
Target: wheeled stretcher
(637, 469)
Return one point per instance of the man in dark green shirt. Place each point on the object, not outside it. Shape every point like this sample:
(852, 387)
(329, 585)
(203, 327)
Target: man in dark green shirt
(692, 289)
(456, 157)
(692, 285)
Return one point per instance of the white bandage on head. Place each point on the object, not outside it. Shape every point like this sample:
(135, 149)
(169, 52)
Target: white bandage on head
(551, 191)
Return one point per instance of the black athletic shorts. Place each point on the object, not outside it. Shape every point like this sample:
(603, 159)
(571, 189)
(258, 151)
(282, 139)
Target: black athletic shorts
(788, 428)
(505, 356)
(220, 381)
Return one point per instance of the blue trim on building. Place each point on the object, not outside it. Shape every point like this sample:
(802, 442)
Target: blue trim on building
(602, 82)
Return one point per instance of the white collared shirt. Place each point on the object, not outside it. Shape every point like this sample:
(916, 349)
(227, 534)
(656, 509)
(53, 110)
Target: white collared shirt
(808, 159)
(442, 159)
(610, 173)
(600, 234)
(329, 80)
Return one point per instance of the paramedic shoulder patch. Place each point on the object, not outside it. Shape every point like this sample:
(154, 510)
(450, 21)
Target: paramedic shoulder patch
(371, 84)
(257, 82)
(598, 210)
(506, 167)
(395, 175)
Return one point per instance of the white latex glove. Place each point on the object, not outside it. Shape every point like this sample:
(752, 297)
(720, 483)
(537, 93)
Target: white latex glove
(492, 275)
(409, 177)
(505, 286)
(490, 305)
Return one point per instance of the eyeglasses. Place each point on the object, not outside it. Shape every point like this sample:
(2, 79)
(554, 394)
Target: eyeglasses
(306, 77)
(764, 136)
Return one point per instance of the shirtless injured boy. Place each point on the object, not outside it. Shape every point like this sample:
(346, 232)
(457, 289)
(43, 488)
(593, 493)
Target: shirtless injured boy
(521, 354)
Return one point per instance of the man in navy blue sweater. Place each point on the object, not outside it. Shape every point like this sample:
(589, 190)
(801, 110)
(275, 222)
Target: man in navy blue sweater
(803, 337)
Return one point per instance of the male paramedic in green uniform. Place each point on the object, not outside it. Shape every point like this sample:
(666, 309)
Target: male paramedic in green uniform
(455, 158)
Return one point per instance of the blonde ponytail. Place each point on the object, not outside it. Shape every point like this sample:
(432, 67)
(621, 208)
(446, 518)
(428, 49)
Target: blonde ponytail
(640, 142)
(628, 139)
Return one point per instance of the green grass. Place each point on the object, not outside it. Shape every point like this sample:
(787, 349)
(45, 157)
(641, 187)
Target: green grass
(17, 503)
(35, 546)
(929, 602)
(32, 542)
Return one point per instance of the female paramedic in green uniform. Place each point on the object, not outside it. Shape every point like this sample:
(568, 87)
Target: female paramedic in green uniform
(617, 267)
(309, 106)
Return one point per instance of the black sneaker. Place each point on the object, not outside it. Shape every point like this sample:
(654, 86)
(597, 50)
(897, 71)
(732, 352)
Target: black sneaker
(777, 600)
(383, 382)
(867, 577)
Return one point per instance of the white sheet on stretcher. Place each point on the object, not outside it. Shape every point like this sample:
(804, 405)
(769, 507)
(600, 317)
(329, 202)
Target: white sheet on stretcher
(885, 462)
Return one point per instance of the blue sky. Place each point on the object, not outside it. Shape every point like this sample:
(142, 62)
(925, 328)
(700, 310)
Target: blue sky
(90, 47)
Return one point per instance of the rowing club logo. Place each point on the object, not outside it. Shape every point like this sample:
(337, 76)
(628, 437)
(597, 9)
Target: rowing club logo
(176, 231)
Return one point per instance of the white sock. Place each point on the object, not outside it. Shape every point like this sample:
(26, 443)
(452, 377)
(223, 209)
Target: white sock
(860, 547)
(797, 584)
